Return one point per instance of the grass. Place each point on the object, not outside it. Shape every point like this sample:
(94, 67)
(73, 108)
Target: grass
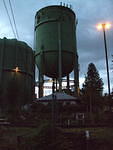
(101, 136)
(96, 133)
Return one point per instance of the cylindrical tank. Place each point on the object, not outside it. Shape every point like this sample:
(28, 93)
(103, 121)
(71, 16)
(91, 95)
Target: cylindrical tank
(16, 72)
(55, 28)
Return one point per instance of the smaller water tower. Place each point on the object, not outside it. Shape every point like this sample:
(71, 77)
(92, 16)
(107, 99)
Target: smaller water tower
(16, 73)
(55, 42)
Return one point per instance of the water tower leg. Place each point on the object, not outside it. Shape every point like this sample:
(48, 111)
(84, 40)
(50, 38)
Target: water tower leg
(53, 86)
(56, 85)
(60, 57)
(76, 76)
(68, 84)
(41, 82)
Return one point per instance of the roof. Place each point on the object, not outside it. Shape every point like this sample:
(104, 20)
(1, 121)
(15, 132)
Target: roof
(55, 7)
(58, 96)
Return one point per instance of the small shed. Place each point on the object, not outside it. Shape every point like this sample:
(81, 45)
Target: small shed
(59, 97)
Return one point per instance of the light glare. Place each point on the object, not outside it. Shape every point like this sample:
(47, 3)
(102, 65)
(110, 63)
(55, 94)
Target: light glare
(99, 26)
(103, 26)
(107, 25)
(16, 69)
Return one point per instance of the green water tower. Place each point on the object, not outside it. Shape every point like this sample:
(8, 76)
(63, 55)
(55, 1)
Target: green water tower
(55, 41)
(16, 73)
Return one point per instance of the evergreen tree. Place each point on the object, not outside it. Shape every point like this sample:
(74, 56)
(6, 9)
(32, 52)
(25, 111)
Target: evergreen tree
(92, 91)
(93, 82)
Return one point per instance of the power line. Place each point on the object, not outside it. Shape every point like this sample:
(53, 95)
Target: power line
(13, 19)
(9, 18)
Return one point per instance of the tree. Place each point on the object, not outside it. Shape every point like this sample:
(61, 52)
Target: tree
(92, 89)
(93, 82)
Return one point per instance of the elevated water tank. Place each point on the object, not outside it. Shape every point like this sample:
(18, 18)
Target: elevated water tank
(16, 72)
(55, 28)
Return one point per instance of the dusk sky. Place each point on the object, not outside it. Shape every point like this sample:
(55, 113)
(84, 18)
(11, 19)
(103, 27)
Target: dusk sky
(90, 44)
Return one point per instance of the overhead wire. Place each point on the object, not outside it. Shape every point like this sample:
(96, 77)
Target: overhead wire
(9, 18)
(13, 19)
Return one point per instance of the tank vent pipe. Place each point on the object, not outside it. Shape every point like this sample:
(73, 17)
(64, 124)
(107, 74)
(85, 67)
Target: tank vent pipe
(70, 6)
(61, 3)
(67, 5)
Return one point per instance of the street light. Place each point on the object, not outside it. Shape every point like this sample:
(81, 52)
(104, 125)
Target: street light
(104, 27)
